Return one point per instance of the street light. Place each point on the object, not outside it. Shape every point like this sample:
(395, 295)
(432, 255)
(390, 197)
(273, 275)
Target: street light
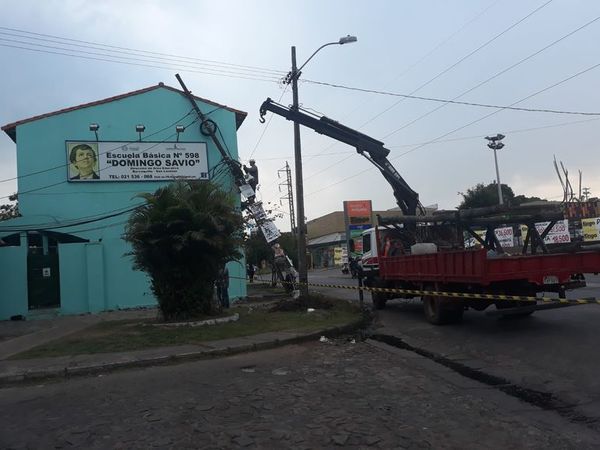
(292, 77)
(495, 144)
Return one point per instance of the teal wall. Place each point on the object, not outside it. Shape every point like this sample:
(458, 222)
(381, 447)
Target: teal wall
(13, 292)
(98, 276)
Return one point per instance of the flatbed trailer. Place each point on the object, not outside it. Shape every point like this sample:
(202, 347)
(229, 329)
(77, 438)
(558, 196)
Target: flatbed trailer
(476, 267)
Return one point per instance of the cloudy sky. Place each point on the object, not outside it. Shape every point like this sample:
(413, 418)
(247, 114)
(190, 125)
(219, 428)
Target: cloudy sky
(533, 54)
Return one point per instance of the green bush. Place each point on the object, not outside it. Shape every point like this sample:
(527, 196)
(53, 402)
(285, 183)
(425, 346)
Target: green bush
(181, 237)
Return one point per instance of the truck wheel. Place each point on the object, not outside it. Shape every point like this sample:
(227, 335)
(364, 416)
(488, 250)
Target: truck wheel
(379, 300)
(439, 312)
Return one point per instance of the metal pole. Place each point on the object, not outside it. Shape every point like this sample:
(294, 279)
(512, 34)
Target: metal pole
(498, 178)
(301, 227)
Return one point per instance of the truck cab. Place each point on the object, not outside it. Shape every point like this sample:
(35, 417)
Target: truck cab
(381, 241)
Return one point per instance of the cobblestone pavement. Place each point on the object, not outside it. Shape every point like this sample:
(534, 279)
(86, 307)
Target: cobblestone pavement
(317, 395)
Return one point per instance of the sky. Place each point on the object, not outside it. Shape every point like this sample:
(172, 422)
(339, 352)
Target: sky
(533, 54)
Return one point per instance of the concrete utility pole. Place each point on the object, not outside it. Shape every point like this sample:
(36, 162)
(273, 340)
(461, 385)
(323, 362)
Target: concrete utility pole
(292, 78)
(495, 144)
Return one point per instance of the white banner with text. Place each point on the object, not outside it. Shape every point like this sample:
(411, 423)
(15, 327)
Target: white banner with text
(137, 161)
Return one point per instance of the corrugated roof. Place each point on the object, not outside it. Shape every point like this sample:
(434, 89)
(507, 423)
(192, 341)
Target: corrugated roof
(327, 239)
(11, 128)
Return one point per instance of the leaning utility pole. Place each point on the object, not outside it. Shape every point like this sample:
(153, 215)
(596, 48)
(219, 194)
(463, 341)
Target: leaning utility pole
(289, 194)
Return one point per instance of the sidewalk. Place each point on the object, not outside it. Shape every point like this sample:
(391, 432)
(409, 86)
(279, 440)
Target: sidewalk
(17, 337)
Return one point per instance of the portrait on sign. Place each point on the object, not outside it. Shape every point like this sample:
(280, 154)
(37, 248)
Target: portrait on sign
(83, 161)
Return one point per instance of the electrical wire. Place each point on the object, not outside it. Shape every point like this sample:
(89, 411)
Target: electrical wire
(462, 127)
(463, 138)
(450, 67)
(65, 181)
(445, 102)
(68, 224)
(267, 125)
(130, 58)
(102, 153)
(454, 102)
(177, 68)
(497, 74)
(468, 55)
(137, 51)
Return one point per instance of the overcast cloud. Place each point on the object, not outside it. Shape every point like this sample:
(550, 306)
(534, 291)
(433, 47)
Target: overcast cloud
(401, 45)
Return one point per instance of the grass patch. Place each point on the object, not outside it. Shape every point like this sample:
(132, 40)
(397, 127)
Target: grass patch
(128, 335)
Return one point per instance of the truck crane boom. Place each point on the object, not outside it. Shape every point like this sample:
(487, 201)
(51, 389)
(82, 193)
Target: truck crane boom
(371, 149)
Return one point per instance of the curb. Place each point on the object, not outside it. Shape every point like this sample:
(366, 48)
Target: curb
(57, 374)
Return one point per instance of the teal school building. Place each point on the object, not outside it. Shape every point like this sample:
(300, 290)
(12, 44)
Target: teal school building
(79, 170)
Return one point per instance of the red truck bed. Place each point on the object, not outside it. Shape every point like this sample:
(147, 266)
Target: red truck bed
(474, 266)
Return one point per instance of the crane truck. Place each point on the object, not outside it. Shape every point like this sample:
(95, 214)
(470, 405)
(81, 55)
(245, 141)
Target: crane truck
(425, 252)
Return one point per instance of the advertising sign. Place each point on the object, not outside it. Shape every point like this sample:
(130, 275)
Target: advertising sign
(559, 233)
(358, 211)
(505, 236)
(337, 256)
(357, 217)
(355, 234)
(269, 230)
(591, 229)
(258, 211)
(137, 161)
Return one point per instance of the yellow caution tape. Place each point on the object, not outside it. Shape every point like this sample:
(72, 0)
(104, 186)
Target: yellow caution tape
(417, 292)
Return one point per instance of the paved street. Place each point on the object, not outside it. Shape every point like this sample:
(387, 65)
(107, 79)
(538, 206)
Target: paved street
(552, 351)
(318, 395)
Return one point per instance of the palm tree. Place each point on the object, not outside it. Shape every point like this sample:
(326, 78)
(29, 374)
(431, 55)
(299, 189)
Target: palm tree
(184, 234)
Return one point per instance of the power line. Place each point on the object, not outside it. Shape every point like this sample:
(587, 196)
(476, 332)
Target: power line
(454, 102)
(468, 55)
(73, 222)
(447, 69)
(137, 51)
(463, 126)
(497, 74)
(473, 88)
(462, 138)
(423, 58)
(205, 72)
(129, 58)
(64, 181)
(267, 125)
(129, 142)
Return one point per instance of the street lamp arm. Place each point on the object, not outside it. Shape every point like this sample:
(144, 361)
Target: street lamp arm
(316, 51)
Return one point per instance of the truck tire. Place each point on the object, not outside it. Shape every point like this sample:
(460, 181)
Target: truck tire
(379, 300)
(439, 312)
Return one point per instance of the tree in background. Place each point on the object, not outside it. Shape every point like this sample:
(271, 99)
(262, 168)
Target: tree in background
(10, 210)
(485, 195)
(482, 195)
(184, 234)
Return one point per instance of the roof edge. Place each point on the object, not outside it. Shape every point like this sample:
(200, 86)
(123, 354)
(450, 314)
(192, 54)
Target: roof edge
(10, 129)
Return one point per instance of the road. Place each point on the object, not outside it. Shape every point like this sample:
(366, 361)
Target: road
(335, 394)
(553, 352)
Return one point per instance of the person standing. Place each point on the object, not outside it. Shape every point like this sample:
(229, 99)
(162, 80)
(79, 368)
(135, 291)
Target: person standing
(253, 172)
(223, 287)
(250, 271)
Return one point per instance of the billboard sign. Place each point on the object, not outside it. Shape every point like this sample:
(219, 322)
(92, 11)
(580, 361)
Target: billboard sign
(591, 229)
(505, 236)
(559, 233)
(357, 217)
(136, 161)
